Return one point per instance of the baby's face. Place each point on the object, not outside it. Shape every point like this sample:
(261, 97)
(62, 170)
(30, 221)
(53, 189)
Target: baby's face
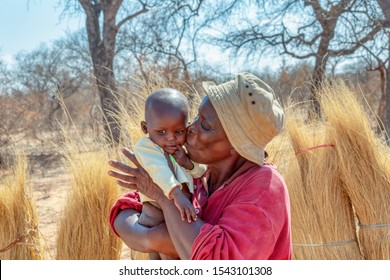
(167, 130)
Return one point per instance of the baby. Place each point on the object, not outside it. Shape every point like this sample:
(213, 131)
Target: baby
(161, 154)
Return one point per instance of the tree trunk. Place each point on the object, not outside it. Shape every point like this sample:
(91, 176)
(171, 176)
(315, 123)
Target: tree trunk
(385, 6)
(318, 77)
(381, 115)
(387, 106)
(102, 49)
(107, 89)
(328, 21)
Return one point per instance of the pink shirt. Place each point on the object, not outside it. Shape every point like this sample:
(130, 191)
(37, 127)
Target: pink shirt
(247, 218)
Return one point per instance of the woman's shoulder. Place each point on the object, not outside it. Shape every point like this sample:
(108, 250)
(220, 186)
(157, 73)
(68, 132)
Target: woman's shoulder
(267, 170)
(263, 180)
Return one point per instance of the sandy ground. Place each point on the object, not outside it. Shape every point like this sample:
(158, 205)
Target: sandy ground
(50, 190)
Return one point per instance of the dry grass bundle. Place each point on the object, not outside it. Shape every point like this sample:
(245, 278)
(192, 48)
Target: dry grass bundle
(322, 219)
(19, 235)
(364, 164)
(84, 232)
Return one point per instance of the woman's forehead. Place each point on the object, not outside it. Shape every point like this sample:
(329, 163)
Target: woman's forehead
(207, 111)
(206, 107)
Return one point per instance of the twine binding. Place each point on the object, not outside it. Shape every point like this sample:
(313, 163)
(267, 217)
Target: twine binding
(20, 240)
(325, 244)
(313, 148)
(375, 225)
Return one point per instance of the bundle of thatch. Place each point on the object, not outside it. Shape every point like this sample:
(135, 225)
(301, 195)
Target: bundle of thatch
(364, 164)
(322, 220)
(19, 235)
(84, 232)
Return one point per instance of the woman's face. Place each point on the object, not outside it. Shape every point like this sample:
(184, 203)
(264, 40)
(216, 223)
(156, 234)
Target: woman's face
(207, 142)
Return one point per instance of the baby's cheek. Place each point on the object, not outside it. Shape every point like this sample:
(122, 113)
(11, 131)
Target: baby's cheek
(181, 140)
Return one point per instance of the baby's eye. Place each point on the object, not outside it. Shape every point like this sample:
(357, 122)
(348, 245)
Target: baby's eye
(161, 131)
(180, 132)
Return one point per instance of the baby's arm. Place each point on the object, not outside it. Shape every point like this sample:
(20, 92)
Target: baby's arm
(156, 164)
(183, 203)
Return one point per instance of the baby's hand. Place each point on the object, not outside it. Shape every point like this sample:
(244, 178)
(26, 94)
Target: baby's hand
(182, 158)
(187, 210)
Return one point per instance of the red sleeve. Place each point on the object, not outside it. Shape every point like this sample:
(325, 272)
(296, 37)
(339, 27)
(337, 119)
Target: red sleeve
(236, 236)
(130, 200)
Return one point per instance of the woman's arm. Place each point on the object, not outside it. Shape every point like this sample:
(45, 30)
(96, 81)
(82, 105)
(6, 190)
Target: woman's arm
(134, 235)
(182, 233)
(141, 238)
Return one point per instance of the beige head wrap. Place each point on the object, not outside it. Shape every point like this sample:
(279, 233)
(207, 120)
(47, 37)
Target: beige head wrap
(249, 113)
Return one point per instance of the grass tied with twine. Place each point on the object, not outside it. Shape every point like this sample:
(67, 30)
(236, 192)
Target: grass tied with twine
(19, 235)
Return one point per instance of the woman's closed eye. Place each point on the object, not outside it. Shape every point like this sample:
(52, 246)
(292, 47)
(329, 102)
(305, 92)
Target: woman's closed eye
(205, 126)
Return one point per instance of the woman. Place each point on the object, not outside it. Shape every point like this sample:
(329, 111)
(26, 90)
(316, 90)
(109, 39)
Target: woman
(242, 202)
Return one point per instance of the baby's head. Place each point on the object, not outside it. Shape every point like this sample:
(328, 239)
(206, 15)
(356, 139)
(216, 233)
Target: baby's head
(166, 117)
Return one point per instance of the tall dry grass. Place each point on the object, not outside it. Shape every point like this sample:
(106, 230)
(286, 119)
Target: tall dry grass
(364, 164)
(83, 231)
(322, 220)
(19, 233)
(338, 174)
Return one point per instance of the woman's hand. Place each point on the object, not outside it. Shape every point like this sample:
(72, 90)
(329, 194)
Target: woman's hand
(135, 178)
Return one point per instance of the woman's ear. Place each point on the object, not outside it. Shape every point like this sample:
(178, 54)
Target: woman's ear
(144, 127)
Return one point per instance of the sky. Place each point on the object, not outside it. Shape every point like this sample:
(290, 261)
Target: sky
(25, 24)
